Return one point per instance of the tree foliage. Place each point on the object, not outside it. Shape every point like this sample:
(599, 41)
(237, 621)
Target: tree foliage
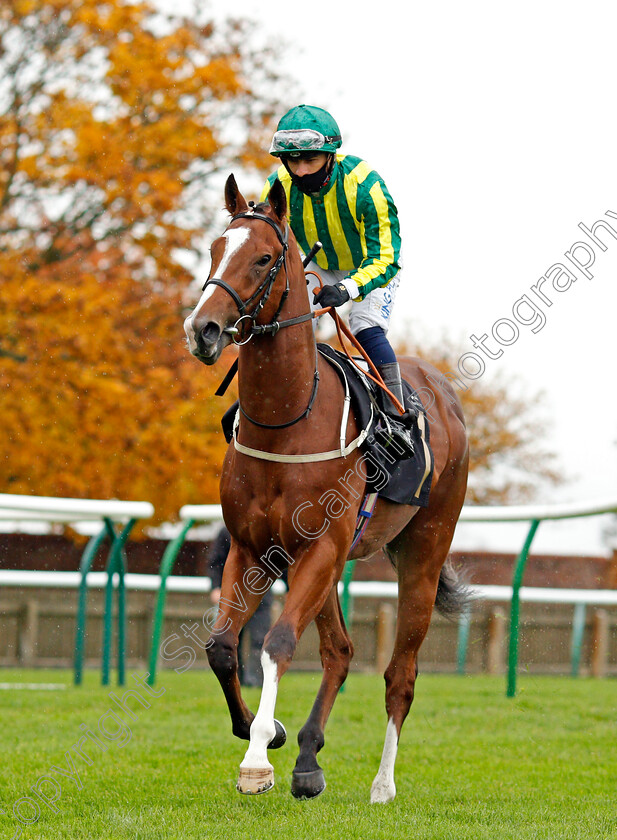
(114, 122)
(509, 459)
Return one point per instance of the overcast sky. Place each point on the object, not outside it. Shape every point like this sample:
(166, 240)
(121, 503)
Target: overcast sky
(494, 127)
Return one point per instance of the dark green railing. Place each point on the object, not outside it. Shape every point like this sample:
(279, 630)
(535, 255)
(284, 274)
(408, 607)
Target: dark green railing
(534, 515)
(109, 512)
(189, 516)
(167, 563)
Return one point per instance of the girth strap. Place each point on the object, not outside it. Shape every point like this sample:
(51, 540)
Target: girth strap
(342, 452)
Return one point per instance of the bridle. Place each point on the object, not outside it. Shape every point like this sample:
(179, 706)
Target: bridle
(261, 295)
(263, 291)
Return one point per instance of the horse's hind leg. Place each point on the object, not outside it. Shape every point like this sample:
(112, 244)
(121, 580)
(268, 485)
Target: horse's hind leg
(336, 651)
(420, 550)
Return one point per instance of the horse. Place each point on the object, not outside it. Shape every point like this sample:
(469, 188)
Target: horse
(291, 485)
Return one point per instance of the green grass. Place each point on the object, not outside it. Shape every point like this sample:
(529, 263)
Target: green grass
(471, 764)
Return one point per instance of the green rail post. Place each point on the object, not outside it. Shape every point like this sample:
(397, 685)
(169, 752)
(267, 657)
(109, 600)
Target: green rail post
(115, 563)
(578, 631)
(464, 623)
(167, 563)
(121, 569)
(87, 558)
(517, 581)
(108, 610)
(346, 599)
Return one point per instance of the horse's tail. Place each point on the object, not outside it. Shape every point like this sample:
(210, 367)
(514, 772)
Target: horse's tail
(453, 593)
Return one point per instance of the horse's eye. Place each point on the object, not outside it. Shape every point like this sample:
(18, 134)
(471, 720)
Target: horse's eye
(264, 260)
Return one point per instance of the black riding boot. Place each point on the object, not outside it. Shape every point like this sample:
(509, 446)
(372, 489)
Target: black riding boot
(397, 436)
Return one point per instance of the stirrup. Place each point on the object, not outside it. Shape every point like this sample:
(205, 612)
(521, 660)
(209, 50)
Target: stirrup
(395, 437)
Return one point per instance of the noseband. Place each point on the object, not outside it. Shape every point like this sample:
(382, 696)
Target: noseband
(263, 291)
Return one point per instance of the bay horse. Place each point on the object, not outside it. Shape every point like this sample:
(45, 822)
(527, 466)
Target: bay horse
(291, 485)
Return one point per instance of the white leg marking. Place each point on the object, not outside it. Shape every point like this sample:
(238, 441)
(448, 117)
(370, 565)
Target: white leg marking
(383, 788)
(263, 729)
(234, 240)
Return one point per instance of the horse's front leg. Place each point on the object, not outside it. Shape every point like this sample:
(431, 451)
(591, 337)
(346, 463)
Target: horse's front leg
(336, 651)
(237, 604)
(312, 580)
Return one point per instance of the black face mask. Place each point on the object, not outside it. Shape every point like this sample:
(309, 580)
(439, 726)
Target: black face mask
(315, 181)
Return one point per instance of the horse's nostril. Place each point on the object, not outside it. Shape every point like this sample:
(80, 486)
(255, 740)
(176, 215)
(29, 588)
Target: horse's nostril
(210, 333)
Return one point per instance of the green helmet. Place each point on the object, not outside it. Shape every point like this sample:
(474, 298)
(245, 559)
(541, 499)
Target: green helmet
(306, 128)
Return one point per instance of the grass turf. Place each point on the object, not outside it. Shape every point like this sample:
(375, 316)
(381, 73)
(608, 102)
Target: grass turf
(471, 763)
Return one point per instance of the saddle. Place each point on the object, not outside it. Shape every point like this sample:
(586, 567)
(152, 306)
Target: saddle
(406, 481)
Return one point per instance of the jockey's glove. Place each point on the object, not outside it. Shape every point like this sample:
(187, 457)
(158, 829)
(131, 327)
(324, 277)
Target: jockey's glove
(335, 295)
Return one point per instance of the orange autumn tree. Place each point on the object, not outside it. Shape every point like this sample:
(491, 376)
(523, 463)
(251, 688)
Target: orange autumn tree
(115, 121)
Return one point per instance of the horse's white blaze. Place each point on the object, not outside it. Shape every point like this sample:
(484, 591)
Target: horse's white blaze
(234, 240)
(190, 332)
(383, 788)
(263, 729)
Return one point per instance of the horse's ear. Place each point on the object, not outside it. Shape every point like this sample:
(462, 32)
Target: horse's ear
(234, 200)
(278, 200)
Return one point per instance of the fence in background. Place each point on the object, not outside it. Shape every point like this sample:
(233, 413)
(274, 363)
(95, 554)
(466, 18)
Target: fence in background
(38, 625)
(68, 510)
(117, 519)
(533, 514)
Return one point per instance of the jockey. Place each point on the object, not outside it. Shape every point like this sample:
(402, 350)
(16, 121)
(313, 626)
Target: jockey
(340, 201)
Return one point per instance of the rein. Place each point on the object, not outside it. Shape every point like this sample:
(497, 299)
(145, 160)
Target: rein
(342, 329)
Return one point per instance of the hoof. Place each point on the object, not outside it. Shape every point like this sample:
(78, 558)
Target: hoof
(382, 791)
(280, 737)
(255, 781)
(307, 785)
